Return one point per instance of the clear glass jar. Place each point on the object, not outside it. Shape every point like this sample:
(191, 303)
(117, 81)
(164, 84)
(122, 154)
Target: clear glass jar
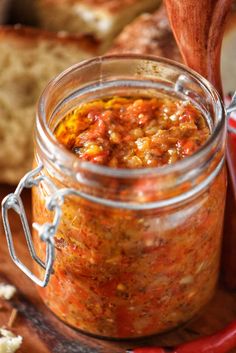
(136, 251)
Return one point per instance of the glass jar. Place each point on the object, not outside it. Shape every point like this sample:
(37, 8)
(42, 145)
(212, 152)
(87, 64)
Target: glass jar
(136, 251)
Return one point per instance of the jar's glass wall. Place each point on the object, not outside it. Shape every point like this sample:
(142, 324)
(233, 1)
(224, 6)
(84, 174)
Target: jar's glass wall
(123, 271)
(128, 274)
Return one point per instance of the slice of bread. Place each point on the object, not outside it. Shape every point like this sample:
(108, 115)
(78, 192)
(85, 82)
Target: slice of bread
(149, 34)
(29, 59)
(102, 18)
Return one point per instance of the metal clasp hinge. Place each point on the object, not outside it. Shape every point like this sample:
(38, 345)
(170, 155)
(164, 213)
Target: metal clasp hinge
(46, 231)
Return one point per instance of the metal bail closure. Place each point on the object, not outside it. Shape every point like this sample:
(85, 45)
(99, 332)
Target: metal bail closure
(230, 109)
(46, 232)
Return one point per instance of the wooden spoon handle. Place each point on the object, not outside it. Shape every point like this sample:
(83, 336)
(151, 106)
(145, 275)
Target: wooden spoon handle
(198, 26)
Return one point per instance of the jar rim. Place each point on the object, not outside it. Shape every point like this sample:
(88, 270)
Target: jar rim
(48, 136)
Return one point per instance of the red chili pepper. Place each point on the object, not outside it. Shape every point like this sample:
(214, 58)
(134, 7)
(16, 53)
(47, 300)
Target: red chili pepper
(221, 342)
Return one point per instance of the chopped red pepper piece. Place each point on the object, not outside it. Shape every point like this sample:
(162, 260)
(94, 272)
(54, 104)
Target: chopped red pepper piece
(132, 132)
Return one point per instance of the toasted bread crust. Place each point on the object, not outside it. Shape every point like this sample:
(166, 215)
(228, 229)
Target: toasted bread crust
(32, 36)
(148, 34)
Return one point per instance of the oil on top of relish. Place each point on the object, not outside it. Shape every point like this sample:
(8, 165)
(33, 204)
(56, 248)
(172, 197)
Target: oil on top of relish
(133, 132)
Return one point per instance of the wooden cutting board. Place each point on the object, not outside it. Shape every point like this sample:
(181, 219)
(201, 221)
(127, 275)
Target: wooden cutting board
(43, 333)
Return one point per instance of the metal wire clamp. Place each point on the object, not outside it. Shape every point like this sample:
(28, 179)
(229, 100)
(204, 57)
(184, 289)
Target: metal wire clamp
(46, 231)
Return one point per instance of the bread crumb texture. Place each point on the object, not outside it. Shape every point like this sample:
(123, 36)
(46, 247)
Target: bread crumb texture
(102, 18)
(28, 62)
(9, 343)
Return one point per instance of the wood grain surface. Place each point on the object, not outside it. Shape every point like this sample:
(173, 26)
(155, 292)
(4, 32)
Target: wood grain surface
(44, 333)
(198, 27)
